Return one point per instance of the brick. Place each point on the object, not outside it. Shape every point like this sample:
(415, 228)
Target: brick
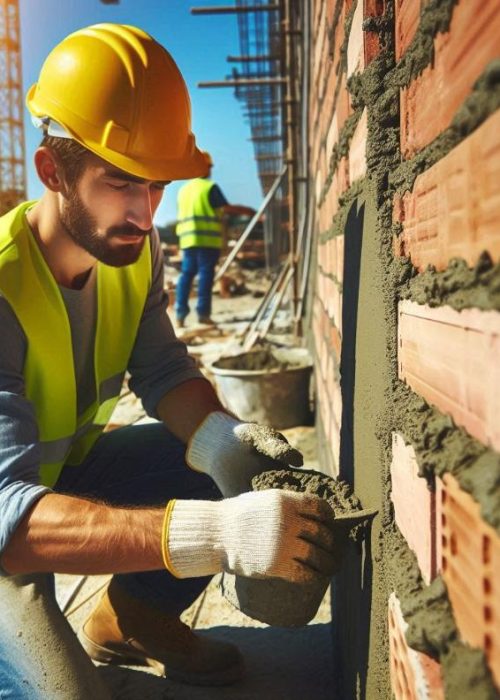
(319, 50)
(372, 8)
(330, 10)
(319, 185)
(355, 47)
(407, 18)
(452, 359)
(430, 102)
(339, 184)
(333, 134)
(414, 676)
(439, 525)
(414, 506)
(334, 439)
(335, 342)
(362, 46)
(335, 395)
(340, 258)
(357, 149)
(454, 208)
(329, 262)
(471, 570)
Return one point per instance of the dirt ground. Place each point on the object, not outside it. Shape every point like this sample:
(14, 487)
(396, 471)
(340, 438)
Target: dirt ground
(280, 663)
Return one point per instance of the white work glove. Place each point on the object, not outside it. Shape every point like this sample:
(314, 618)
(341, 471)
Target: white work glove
(260, 534)
(233, 452)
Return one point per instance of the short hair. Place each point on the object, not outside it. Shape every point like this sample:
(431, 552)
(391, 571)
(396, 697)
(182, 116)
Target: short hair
(71, 155)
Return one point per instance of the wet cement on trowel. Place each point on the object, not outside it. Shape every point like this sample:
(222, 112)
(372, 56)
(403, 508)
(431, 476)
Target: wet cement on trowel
(338, 494)
(378, 407)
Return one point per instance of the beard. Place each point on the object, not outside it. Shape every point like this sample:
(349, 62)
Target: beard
(82, 228)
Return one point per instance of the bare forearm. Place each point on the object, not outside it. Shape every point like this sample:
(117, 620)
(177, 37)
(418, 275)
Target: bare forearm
(184, 408)
(63, 534)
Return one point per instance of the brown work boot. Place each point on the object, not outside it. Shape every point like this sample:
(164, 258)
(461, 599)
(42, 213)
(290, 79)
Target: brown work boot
(206, 320)
(123, 630)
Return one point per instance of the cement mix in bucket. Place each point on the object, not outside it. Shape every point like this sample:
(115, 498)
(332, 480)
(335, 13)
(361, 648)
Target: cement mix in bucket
(279, 602)
(265, 360)
(268, 386)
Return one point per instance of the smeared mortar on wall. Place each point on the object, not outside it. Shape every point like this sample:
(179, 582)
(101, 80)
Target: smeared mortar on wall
(441, 447)
(435, 18)
(483, 100)
(459, 286)
(384, 281)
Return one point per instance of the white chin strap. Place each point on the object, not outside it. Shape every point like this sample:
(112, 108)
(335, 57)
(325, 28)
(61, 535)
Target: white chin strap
(50, 127)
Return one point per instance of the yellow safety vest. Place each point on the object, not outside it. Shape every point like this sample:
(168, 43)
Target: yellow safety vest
(197, 222)
(28, 285)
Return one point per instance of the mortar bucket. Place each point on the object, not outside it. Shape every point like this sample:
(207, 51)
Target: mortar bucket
(273, 600)
(266, 386)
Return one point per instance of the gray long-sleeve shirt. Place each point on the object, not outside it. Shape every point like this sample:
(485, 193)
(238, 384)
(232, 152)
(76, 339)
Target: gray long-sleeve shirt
(158, 363)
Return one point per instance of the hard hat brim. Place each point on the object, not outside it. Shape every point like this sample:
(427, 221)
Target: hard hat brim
(186, 168)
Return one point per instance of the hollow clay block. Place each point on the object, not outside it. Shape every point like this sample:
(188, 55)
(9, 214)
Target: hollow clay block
(279, 602)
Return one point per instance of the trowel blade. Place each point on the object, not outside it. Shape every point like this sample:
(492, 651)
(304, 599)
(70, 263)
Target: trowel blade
(356, 517)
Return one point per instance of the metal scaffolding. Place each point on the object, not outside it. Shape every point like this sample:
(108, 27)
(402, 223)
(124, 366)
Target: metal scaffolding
(272, 80)
(12, 150)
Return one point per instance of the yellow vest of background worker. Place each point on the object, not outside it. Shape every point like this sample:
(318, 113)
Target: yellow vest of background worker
(197, 224)
(29, 287)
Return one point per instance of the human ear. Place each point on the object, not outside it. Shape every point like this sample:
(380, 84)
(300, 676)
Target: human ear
(48, 169)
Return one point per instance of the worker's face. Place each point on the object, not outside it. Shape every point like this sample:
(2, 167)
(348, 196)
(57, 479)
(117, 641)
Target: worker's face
(109, 213)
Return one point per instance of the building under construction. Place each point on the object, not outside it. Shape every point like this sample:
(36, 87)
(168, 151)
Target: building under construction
(376, 133)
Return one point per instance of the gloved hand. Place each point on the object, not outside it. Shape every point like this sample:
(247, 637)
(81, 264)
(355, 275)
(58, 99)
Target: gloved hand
(233, 452)
(260, 534)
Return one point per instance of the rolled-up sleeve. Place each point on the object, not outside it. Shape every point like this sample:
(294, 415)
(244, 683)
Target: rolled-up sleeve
(159, 360)
(19, 444)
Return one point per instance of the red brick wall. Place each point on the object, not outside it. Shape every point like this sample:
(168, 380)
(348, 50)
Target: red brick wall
(442, 191)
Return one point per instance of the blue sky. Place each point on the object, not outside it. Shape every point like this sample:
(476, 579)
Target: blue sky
(199, 45)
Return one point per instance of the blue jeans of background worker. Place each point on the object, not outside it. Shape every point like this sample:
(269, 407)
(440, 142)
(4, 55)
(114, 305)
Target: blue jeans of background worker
(201, 262)
(40, 656)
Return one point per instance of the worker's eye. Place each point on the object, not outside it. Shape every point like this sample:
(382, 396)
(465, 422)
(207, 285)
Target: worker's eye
(116, 186)
(160, 186)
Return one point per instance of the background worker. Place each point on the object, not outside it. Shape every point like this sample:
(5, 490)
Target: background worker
(200, 208)
(81, 301)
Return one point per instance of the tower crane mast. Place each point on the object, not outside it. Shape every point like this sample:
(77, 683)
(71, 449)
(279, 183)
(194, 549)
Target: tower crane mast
(12, 147)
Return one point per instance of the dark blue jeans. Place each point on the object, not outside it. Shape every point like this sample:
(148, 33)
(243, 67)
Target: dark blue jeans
(143, 465)
(201, 262)
(40, 656)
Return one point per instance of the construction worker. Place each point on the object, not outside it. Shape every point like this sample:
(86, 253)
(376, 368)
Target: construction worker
(81, 301)
(200, 208)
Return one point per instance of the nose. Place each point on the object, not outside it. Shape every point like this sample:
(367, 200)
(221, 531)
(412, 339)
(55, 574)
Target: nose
(141, 212)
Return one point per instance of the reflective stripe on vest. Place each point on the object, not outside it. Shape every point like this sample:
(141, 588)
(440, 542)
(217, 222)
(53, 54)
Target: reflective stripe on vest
(197, 224)
(28, 285)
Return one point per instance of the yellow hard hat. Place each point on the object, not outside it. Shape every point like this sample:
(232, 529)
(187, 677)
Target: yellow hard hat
(208, 163)
(208, 158)
(120, 94)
